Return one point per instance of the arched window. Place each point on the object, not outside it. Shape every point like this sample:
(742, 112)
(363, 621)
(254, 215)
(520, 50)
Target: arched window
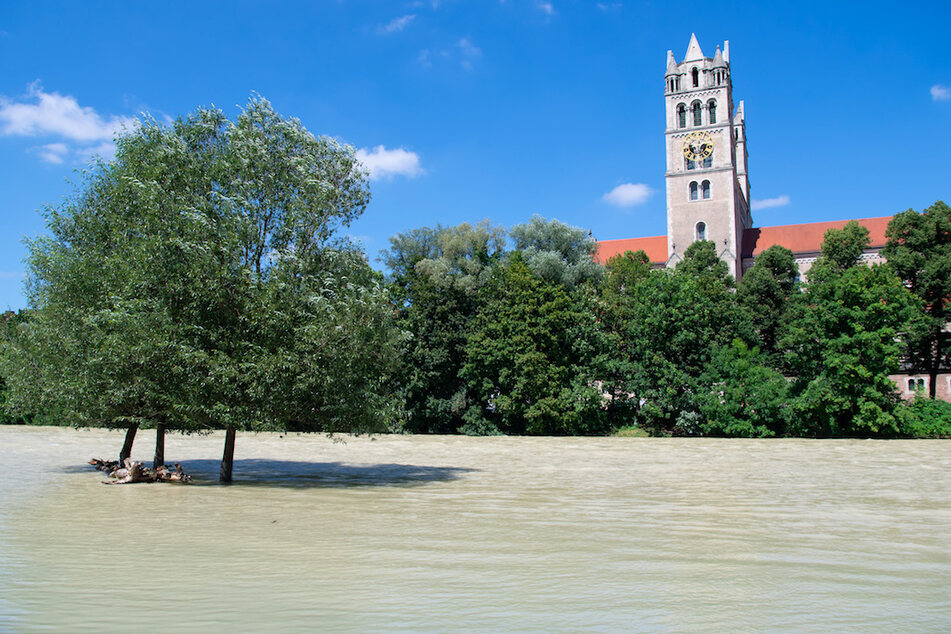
(693, 190)
(681, 116)
(696, 77)
(705, 190)
(697, 113)
(712, 110)
(701, 231)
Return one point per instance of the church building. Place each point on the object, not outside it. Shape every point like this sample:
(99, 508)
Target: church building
(708, 183)
(708, 186)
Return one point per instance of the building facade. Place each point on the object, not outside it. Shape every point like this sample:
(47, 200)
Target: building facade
(708, 186)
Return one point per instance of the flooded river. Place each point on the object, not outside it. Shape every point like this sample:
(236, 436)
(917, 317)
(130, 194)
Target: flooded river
(458, 534)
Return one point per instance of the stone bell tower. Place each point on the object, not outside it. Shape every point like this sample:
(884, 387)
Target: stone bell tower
(708, 189)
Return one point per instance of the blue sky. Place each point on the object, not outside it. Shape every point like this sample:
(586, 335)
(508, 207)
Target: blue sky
(489, 108)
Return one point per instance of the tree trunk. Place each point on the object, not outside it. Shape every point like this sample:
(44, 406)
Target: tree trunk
(159, 446)
(227, 459)
(127, 445)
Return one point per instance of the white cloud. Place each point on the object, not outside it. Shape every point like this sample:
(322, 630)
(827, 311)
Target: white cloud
(83, 131)
(464, 52)
(609, 6)
(546, 7)
(940, 93)
(385, 164)
(469, 52)
(396, 24)
(53, 152)
(766, 203)
(53, 114)
(628, 195)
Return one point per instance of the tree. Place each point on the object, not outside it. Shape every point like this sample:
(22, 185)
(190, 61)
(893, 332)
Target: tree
(195, 282)
(765, 294)
(625, 270)
(10, 322)
(438, 273)
(701, 260)
(843, 342)
(663, 330)
(528, 359)
(743, 396)
(556, 252)
(919, 251)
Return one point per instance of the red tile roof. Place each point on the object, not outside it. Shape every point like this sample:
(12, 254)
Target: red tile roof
(807, 238)
(655, 247)
(800, 239)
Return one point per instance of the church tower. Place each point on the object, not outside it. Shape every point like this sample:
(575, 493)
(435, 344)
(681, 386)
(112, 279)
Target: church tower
(708, 190)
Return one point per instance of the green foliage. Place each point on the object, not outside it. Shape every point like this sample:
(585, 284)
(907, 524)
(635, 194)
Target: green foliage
(765, 295)
(528, 358)
(437, 273)
(841, 249)
(625, 270)
(196, 282)
(925, 418)
(744, 396)
(919, 250)
(841, 346)
(663, 331)
(701, 260)
(10, 323)
(556, 252)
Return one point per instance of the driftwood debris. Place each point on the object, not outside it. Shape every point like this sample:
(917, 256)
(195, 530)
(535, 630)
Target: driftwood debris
(132, 472)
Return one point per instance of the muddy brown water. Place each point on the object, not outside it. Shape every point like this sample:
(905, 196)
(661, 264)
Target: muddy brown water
(436, 533)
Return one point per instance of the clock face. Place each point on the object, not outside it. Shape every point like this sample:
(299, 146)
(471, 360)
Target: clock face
(698, 146)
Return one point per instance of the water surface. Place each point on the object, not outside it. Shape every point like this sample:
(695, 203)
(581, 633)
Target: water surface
(441, 533)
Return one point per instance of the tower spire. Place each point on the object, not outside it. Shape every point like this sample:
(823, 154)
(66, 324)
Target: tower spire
(693, 49)
(671, 63)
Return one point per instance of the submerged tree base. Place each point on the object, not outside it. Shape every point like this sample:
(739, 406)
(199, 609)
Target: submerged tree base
(134, 472)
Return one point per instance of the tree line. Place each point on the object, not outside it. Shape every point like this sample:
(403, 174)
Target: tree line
(202, 280)
(539, 339)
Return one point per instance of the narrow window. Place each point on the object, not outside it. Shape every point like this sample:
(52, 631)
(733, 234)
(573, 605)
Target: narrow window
(696, 78)
(693, 190)
(708, 161)
(911, 385)
(712, 109)
(705, 190)
(691, 164)
(701, 231)
(697, 116)
(681, 116)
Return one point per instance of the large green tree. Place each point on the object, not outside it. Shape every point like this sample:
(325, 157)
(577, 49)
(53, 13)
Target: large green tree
(530, 358)
(766, 293)
(557, 252)
(437, 273)
(197, 282)
(664, 327)
(843, 342)
(919, 250)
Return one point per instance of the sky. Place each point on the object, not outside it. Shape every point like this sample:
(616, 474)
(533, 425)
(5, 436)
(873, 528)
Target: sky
(490, 109)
